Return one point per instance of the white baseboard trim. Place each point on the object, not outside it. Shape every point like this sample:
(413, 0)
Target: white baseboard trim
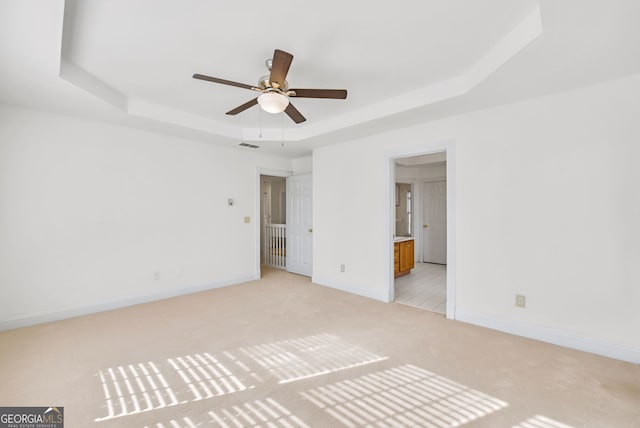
(347, 289)
(554, 336)
(44, 317)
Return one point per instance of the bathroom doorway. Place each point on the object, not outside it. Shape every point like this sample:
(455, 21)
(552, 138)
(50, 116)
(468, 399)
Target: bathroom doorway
(421, 199)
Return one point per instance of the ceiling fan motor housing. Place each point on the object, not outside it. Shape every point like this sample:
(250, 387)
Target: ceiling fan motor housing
(265, 83)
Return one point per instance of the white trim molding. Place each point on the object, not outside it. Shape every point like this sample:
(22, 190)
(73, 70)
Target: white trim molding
(45, 317)
(553, 336)
(361, 291)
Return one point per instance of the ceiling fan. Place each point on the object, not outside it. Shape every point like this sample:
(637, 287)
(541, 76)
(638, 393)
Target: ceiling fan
(274, 89)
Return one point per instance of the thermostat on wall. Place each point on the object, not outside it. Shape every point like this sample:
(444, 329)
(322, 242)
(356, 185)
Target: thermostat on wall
(230, 202)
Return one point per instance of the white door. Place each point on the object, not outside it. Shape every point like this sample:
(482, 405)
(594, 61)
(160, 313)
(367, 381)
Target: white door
(434, 226)
(299, 224)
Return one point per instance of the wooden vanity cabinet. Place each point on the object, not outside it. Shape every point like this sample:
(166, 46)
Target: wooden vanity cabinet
(403, 257)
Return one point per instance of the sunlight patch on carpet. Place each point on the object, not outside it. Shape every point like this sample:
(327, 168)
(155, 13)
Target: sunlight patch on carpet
(143, 387)
(208, 376)
(403, 396)
(266, 412)
(135, 388)
(539, 421)
(297, 359)
(258, 413)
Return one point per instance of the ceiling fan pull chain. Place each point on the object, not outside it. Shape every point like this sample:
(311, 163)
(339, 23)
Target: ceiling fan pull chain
(260, 123)
(282, 128)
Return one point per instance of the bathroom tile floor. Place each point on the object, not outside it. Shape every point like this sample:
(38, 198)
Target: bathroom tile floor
(425, 287)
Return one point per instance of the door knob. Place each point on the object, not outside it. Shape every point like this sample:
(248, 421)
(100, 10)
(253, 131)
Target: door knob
(310, 230)
(425, 225)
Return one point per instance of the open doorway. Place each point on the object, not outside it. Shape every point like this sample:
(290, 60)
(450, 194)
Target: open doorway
(421, 217)
(283, 207)
(273, 221)
(422, 224)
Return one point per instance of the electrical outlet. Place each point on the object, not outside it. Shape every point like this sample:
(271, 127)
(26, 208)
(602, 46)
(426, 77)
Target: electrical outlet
(156, 276)
(521, 301)
(341, 268)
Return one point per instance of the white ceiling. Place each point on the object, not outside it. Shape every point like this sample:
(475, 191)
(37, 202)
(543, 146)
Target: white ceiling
(130, 61)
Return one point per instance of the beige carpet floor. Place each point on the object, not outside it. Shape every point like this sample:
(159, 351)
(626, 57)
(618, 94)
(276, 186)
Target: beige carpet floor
(283, 352)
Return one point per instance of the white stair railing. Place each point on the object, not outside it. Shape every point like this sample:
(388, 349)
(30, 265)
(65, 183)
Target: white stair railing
(275, 247)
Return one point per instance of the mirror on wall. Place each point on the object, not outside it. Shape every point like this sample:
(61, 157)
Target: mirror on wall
(404, 209)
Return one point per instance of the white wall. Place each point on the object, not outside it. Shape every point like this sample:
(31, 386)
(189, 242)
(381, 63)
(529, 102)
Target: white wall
(303, 165)
(92, 214)
(547, 206)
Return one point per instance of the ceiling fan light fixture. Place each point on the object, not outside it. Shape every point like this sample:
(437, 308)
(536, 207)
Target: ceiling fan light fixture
(273, 102)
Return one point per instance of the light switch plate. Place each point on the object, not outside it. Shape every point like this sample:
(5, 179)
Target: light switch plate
(247, 219)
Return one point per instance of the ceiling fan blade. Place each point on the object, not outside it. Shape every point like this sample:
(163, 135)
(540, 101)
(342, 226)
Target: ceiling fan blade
(294, 114)
(339, 94)
(279, 68)
(223, 81)
(243, 107)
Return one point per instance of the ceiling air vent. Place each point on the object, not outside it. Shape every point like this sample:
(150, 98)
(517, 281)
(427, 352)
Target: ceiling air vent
(252, 146)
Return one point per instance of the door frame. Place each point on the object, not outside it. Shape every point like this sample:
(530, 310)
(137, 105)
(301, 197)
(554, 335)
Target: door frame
(448, 147)
(257, 215)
